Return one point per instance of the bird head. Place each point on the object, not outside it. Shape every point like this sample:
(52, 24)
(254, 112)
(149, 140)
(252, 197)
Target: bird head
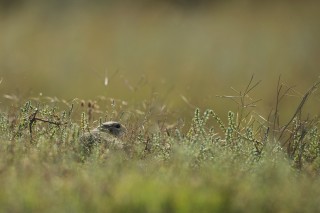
(113, 128)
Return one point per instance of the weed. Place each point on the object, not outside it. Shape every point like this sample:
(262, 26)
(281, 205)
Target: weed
(219, 161)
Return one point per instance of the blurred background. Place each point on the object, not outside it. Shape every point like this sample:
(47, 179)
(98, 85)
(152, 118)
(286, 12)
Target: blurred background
(181, 52)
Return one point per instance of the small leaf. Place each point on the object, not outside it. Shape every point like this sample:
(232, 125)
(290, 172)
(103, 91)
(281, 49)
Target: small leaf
(106, 81)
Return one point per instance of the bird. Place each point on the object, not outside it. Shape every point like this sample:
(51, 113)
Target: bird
(108, 134)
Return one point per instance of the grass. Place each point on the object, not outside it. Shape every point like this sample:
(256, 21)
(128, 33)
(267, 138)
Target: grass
(160, 69)
(196, 52)
(246, 164)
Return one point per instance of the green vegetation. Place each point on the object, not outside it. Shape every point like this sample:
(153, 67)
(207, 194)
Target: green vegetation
(163, 69)
(247, 164)
(199, 52)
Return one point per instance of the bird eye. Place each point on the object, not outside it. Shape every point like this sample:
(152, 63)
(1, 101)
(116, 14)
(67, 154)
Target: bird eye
(117, 126)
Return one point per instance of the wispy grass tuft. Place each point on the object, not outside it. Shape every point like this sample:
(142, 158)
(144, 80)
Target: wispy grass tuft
(238, 165)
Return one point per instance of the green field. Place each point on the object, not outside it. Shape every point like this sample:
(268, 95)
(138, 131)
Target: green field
(220, 101)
